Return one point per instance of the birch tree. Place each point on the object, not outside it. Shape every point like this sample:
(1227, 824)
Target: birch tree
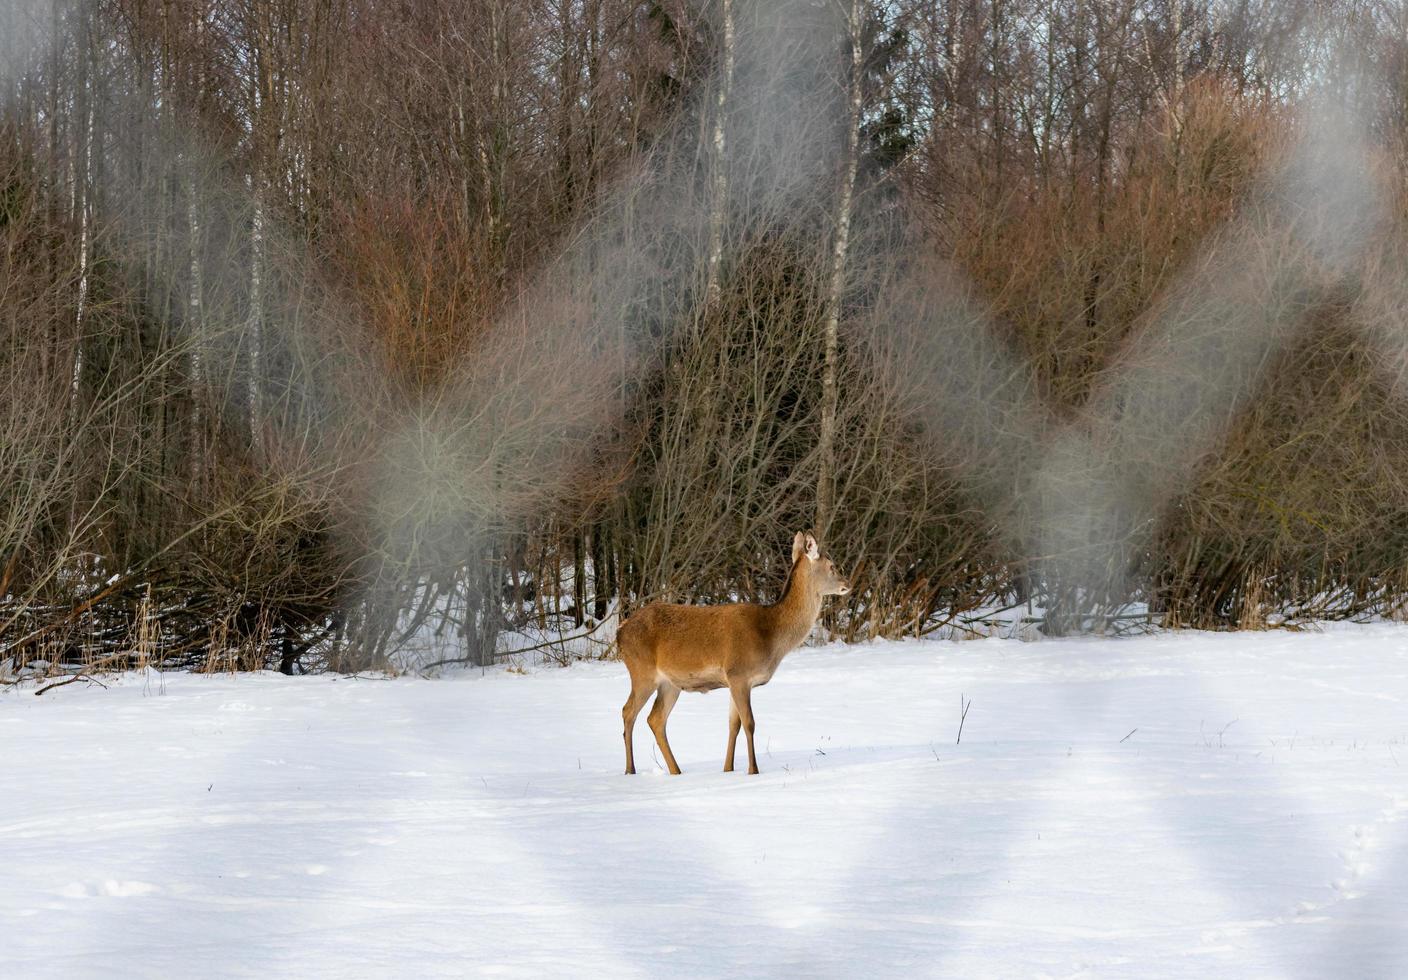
(840, 245)
(718, 205)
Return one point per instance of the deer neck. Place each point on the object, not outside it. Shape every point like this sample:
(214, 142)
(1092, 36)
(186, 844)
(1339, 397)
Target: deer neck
(795, 613)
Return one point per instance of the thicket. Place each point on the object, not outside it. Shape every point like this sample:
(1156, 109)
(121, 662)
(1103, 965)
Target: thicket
(332, 325)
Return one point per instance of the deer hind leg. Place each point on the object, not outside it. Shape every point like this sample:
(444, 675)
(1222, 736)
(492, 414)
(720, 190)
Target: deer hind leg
(734, 724)
(743, 705)
(641, 688)
(659, 714)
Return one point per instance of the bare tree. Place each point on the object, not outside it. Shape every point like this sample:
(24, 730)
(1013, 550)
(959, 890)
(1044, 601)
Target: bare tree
(826, 479)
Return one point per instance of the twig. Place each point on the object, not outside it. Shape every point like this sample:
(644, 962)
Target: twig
(963, 717)
(1126, 738)
(70, 680)
(498, 655)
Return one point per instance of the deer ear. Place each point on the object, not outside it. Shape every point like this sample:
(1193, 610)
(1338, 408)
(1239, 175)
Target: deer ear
(799, 545)
(813, 552)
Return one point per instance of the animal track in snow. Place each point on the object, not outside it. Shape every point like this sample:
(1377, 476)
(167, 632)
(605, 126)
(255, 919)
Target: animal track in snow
(1358, 854)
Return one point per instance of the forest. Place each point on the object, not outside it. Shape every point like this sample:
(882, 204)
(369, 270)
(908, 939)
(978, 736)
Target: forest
(332, 327)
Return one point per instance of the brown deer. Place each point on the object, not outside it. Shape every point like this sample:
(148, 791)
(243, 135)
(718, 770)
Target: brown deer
(671, 648)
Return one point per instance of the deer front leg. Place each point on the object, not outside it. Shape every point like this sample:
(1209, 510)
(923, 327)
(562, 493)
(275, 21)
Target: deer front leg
(640, 693)
(743, 703)
(734, 724)
(665, 700)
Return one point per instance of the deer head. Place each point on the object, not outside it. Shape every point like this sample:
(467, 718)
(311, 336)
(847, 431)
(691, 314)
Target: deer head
(821, 572)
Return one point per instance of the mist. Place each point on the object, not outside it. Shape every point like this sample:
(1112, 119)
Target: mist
(457, 364)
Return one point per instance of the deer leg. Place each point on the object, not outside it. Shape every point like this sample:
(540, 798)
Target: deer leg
(743, 701)
(640, 693)
(665, 700)
(734, 724)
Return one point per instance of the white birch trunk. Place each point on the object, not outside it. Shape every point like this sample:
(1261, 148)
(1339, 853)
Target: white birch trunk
(195, 324)
(718, 205)
(826, 482)
(84, 201)
(255, 324)
(1180, 56)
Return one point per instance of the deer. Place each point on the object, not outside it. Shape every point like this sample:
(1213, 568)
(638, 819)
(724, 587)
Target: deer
(671, 648)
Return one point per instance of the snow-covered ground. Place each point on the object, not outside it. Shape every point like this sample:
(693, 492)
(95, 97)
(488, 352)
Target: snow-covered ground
(1177, 805)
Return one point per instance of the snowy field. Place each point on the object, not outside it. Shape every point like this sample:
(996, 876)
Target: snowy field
(1187, 805)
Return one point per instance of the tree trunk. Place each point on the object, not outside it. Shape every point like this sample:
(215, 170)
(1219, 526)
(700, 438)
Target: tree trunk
(826, 479)
(579, 580)
(83, 189)
(718, 205)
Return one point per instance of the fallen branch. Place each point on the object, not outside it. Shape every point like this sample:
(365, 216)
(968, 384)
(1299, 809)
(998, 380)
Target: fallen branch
(557, 641)
(70, 680)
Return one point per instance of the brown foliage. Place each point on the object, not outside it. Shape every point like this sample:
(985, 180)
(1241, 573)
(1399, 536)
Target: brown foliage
(330, 325)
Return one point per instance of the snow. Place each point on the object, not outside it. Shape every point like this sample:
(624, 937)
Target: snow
(1255, 822)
